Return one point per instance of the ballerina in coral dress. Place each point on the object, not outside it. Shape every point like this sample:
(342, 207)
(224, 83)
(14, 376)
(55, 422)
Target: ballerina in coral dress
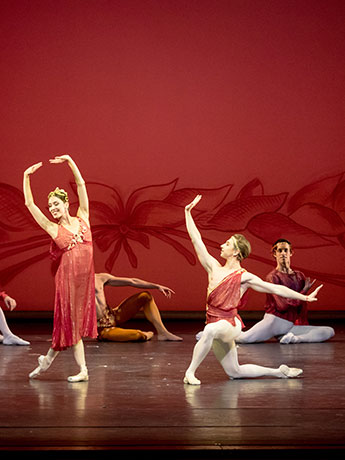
(71, 247)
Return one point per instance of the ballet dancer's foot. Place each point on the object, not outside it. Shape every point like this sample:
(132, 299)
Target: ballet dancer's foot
(43, 364)
(168, 336)
(14, 340)
(148, 335)
(190, 379)
(83, 376)
(289, 338)
(289, 372)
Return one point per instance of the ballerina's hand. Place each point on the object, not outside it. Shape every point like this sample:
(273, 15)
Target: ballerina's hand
(166, 291)
(191, 205)
(60, 159)
(33, 168)
(312, 297)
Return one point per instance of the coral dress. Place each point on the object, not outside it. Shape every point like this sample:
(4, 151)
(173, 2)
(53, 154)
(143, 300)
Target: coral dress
(75, 306)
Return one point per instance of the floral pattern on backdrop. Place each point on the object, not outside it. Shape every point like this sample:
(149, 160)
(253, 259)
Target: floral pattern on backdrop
(313, 217)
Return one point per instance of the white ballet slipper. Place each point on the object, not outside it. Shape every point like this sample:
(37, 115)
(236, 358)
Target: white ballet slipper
(14, 340)
(43, 364)
(83, 376)
(35, 372)
(191, 380)
(290, 372)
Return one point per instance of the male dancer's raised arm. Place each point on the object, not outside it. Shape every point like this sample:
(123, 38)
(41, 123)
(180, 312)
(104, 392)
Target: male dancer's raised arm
(205, 258)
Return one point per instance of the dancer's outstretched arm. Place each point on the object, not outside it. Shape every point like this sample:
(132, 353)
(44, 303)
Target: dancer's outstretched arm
(83, 210)
(111, 280)
(259, 285)
(205, 258)
(37, 214)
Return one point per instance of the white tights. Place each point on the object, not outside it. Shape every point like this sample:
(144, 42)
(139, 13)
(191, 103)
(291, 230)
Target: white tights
(44, 362)
(273, 326)
(221, 337)
(7, 337)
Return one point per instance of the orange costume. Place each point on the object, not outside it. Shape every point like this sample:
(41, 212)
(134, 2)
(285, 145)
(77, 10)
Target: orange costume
(110, 318)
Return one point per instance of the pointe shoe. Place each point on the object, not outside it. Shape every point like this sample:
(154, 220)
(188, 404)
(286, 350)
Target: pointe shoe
(35, 372)
(290, 372)
(83, 376)
(191, 380)
(14, 340)
(43, 365)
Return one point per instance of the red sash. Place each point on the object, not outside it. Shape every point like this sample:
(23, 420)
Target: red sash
(224, 300)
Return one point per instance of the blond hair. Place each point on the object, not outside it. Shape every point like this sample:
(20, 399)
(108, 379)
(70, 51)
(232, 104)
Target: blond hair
(59, 193)
(242, 245)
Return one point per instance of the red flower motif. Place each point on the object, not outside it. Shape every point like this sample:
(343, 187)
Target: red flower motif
(15, 218)
(154, 210)
(313, 217)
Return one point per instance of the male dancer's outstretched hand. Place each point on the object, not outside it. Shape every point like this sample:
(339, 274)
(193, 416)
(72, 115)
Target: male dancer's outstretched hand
(312, 297)
(191, 205)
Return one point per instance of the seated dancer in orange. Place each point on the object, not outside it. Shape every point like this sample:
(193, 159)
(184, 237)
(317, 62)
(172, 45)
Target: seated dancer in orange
(109, 319)
(227, 291)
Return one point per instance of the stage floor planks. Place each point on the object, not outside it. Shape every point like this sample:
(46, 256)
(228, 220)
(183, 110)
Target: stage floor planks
(136, 400)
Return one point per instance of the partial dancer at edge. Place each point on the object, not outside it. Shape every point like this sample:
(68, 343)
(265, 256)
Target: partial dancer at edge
(74, 309)
(286, 319)
(227, 292)
(7, 337)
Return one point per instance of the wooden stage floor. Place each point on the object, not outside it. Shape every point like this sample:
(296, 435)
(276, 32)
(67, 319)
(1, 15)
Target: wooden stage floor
(135, 400)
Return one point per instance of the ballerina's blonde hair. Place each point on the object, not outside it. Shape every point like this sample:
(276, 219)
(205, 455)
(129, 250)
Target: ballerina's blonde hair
(59, 193)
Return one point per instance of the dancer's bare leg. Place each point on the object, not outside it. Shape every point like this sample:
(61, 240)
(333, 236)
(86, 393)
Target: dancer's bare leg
(7, 337)
(270, 326)
(226, 353)
(308, 334)
(44, 362)
(79, 356)
(153, 315)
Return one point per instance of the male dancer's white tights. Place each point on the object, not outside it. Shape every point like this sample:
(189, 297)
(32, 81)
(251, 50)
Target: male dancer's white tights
(273, 326)
(221, 337)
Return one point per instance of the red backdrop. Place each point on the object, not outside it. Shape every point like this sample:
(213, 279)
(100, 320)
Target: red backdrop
(159, 100)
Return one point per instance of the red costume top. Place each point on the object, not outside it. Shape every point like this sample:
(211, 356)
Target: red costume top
(289, 309)
(224, 301)
(75, 304)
